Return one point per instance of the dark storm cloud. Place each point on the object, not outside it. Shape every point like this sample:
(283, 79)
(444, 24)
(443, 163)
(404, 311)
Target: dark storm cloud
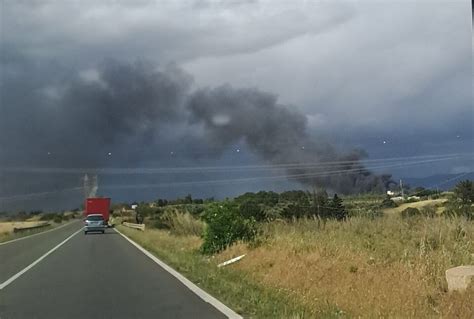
(170, 30)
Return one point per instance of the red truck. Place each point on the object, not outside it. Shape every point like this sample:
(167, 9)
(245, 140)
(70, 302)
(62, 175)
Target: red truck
(98, 205)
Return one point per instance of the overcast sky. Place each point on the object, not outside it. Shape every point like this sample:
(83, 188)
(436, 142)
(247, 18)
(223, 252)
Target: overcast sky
(391, 77)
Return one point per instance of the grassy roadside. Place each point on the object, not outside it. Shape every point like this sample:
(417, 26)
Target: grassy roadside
(382, 267)
(385, 267)
(8, 235)
(237, 289)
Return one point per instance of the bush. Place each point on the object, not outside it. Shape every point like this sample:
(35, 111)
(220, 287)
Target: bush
(411, 212)
(371, 213)
(145, 210)
(48, 216)
(428, 211)
(225, 225)
(195, 209)
(181, 224)
(262, 197)
(388, 203)
(250, 209)
(58, 218)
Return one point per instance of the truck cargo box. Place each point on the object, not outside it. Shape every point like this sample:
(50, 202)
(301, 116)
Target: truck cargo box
(98, 205)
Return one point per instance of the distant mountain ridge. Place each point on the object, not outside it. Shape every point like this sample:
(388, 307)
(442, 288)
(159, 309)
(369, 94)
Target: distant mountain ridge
(441, 181)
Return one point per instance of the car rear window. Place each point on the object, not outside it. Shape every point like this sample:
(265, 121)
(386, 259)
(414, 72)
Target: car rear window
(95, 217)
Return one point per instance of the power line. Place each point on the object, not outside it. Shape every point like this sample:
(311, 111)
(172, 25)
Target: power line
(280, 177)
(236, 180)
(170, 170)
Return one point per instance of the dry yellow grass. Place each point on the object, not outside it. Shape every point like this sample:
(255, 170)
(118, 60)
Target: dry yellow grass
(368, 268)
(7, 227)
(168, 242)
(419, 205)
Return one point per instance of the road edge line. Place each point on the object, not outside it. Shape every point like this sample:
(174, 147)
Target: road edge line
(40, 233)
(18, 274)
(185, 281)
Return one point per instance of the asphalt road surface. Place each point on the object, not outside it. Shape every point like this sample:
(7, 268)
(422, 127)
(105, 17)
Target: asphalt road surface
(90, 276)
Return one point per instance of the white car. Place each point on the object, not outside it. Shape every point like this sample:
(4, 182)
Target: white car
(94, 222)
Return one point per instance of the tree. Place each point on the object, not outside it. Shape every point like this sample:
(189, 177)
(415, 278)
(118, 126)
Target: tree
(337, 209)
(188, 199)
(464, 198)
(198, 201)
(250, 209)
(320, 203)
(464, 191)
(388, 203)
(161, 202)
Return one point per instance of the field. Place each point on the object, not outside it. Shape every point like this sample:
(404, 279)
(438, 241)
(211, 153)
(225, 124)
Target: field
(7, 227)
(7, 224)
(370, 268)
(438, 203)
(310, 268)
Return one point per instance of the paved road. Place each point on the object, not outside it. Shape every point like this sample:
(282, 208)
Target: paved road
(17, 255)
(93, 276)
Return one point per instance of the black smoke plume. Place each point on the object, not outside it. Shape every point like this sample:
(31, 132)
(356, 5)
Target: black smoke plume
(279, 136)
(68, 119)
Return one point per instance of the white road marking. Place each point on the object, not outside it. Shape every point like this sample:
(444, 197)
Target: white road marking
(41, 233)
(198, 291)
(16, 276)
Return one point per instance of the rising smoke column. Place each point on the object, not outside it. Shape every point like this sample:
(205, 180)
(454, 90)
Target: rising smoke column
(91, 186)
(279, 136)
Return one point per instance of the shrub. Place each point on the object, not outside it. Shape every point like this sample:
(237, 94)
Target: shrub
(337, 209)
(181, 223)
(371, 213)
(275, 212)
(411, 212)
(428, 211)
(195, 209)
(250, 209)
(388, 203)
(145, 210)
(225, 225)
(262, 197)
(58, 218)
(48, 216)
(21, 216)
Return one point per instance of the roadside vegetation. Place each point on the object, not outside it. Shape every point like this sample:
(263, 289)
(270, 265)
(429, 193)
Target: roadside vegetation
(310, 255)
(34, 218)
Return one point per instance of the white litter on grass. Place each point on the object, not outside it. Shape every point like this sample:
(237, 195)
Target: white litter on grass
(231, 261)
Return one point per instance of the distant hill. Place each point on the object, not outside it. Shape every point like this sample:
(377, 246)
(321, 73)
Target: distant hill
(442, 181)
